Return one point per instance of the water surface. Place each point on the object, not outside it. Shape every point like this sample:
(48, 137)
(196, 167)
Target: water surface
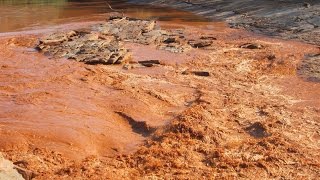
(17, 15)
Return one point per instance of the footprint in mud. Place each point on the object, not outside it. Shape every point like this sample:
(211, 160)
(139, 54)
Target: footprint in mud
(257, 130)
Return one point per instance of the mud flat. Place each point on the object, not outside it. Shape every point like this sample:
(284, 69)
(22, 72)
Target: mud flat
(177, 102)
(288, 19)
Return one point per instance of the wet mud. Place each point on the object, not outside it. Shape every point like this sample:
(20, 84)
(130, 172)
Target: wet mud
(231, 106)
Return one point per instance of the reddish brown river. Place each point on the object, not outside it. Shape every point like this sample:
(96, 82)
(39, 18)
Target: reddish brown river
(251, 117)
(30, 14)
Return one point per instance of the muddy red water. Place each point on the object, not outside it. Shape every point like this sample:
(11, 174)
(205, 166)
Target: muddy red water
(58, 104)
(251, 116)
(22, 15)
(59, 115)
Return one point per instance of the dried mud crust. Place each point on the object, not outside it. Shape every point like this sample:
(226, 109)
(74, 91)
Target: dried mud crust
(233, 121)
(288, 19)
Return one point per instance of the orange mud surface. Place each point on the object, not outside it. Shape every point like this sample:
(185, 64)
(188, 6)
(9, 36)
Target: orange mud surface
(251, 118)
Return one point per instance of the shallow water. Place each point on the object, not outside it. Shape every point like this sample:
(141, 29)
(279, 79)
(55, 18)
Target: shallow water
(17, 15)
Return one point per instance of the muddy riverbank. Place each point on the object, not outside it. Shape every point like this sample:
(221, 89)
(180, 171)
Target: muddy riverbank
(288, 19)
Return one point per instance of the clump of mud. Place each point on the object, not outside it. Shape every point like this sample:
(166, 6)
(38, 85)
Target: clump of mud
(104, 43)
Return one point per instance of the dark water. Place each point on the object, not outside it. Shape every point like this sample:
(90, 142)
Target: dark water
(17, 15)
